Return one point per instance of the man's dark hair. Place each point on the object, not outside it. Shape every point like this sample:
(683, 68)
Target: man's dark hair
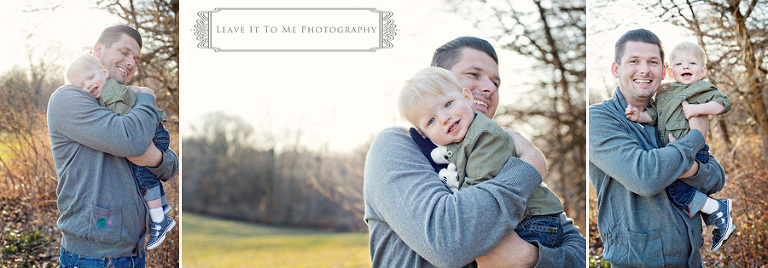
(112, 34)
(449, 54)
(639, 35)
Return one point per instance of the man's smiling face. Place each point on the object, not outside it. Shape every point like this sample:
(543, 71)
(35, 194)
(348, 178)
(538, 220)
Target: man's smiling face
(640, 71)
(121, 58)
(479, 73)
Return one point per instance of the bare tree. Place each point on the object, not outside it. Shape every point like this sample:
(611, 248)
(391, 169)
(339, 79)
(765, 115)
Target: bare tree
(733, 34)
(553, 34)
(158, 23)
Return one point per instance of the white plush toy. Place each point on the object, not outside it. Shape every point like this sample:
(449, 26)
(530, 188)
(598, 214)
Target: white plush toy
(449, 175)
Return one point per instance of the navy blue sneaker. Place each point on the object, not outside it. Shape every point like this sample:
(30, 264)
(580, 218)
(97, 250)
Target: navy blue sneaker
(158, 230)
(723, 223)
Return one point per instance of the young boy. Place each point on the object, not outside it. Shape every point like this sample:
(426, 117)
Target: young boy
(440, 109)
(87, 73)
(670, 112)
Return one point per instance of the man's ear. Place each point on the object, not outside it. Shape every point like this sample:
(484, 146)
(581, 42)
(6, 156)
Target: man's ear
(467, 95)
(664, 71)
(615, 70)
(98, 49)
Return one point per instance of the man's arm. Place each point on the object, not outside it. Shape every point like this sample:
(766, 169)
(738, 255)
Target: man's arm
(527, 152)
(168, 166)
(445, 229)
(78, 116)
(614, 148)
(708, 178)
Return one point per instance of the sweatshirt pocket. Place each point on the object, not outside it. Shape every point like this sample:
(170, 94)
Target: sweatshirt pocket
(105, 225)
(638, 249)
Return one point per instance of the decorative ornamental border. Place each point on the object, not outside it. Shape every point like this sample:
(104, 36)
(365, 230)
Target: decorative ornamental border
(204, 31)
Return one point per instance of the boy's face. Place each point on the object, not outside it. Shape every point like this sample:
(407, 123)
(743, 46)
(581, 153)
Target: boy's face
(687, 68)
(92, 81)
(445, 119)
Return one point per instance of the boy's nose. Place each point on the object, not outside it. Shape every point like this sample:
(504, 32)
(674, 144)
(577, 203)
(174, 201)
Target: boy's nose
(443, 117)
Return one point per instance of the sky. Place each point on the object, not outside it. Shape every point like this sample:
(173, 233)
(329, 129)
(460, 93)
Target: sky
(605, 26)
(337, 99)
(57, 35)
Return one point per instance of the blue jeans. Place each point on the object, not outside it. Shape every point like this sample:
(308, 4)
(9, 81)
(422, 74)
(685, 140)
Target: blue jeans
(680, 194)
(546, 229)
(69, 260)
(145, 178)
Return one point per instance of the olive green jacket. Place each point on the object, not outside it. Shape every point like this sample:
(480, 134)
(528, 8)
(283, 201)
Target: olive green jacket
(483, 152)
(667, 111)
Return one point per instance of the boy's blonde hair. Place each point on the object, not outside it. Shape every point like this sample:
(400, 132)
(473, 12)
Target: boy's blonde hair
(429, 82)
(688, 47)
(82, 64)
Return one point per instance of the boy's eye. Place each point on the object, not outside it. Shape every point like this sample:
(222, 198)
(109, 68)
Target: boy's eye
(430, 121)
(448, 104)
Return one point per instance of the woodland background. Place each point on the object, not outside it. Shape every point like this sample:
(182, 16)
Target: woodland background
(234, 170)
(28, 212)
(734, 35)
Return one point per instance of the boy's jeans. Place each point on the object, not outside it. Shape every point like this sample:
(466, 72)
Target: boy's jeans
(68, 260)
(681, 194)
(145, 178)
(546, 229)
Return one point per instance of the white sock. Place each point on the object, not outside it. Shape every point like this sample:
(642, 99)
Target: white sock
(710, 206)
(156, 214)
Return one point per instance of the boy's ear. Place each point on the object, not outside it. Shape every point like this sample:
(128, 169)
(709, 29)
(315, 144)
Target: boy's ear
(704, 71)
(98, 48)
(467, 94)
(668, 72)
(104, 69)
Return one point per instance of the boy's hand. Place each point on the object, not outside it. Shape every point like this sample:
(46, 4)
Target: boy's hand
(138, 90)
(632, 113)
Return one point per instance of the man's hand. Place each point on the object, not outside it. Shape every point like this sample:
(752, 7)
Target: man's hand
(138, 90)
(512, 251)
(151, 158)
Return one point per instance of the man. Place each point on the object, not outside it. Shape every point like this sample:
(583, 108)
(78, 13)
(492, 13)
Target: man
(415, 221)
(629, 169)
(103, 216)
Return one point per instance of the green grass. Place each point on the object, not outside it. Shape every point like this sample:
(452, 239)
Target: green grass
(213, 242)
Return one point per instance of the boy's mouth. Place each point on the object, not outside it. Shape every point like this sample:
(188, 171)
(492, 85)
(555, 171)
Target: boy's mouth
(686, 75)
(454, 126)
